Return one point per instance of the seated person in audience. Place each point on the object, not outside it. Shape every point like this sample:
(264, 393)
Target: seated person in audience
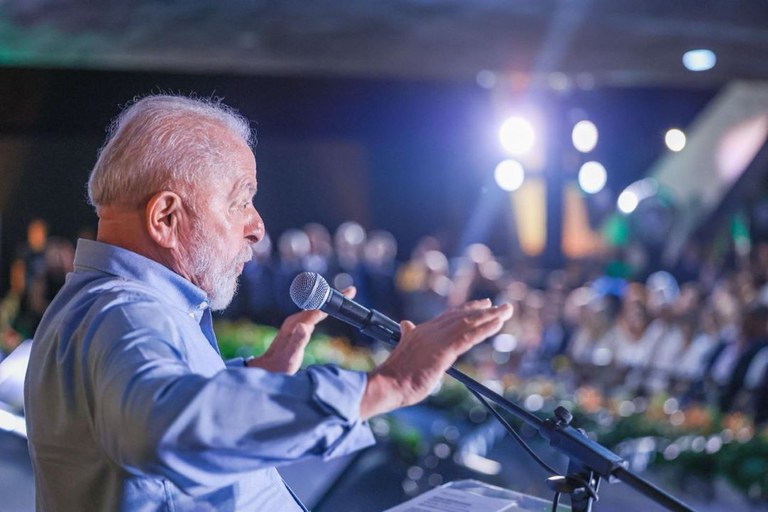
(751, 348)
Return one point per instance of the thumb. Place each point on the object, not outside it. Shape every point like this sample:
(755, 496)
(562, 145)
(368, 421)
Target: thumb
(407, 326)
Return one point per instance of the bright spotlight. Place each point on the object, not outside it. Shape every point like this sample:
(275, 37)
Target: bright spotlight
(675, 139)
(509, 175)
(699, 60)
(627, 201)
(516, 135)
(584, 136)
(636, 192)
(592, 177)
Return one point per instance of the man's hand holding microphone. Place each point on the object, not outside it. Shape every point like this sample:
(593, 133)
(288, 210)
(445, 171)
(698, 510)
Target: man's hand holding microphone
(422, 354)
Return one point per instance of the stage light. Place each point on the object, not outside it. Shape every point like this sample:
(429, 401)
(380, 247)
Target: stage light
(517, 135)
(701, 59)
(592, 177)
(584, 136)
(627, 201)
(636, 192)
(509, 175)
(675, 139)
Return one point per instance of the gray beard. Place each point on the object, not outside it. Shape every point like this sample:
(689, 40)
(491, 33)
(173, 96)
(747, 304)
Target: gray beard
(218, 279)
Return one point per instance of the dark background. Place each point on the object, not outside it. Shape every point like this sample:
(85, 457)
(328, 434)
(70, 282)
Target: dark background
(414, 157)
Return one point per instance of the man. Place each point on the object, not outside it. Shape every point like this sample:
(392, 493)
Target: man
(129, 404)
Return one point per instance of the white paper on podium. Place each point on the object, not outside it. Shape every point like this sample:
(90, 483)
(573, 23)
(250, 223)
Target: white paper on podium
(469, 496)
(449, 500)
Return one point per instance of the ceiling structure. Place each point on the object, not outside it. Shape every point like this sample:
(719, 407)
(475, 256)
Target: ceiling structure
(55, 93)
(557, 43)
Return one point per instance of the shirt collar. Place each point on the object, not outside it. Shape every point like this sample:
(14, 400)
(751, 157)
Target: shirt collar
(171, 287)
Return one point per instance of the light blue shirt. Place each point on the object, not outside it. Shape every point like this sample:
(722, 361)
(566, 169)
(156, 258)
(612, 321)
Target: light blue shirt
(130, 407)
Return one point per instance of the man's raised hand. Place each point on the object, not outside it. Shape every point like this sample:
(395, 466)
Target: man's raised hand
(426, 351)
(286, 352)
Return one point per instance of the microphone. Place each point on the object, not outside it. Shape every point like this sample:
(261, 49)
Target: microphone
(310, 291)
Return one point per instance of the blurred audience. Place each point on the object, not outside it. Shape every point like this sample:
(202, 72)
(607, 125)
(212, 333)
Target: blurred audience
(10, 308)
(423, 282)
(37, 274)
(702, 339)
(379, 267)
(32, 253)
(743, 377)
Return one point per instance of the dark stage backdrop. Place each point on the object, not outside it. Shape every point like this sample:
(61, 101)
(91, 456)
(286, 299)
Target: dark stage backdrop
(415, 158)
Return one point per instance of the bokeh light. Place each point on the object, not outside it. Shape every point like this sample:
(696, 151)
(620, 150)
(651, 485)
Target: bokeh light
(584, 136)
(700, 59)
(627, 201)
(638, 191)
(592, 177)
(486, 79)
(504, 343)
(517, 135)
(675, 139)
(509, 175)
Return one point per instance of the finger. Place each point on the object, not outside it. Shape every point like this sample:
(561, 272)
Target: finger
(479, 333)
(406, 326)
(475, 304)
(349, 292)
(311, 317)
(482, 316)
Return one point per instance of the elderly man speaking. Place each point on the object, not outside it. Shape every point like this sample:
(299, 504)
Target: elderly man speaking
(129, 404)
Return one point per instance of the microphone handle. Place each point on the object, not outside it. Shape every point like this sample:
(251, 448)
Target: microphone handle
(370, 322)
(382, 328)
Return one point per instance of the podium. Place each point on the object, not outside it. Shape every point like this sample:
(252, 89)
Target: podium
(474, 496)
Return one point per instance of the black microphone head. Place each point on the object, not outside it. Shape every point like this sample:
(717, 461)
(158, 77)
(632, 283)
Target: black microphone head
(309, 290)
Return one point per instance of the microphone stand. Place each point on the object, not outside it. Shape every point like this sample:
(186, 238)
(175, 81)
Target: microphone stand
(589, 461)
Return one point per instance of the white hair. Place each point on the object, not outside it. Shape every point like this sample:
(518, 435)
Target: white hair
(162, 142)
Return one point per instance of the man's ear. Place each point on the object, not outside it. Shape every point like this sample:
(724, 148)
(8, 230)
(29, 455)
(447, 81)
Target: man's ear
(165, 212)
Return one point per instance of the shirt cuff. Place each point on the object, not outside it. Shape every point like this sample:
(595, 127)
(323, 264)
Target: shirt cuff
(236, 362)
(338, 391)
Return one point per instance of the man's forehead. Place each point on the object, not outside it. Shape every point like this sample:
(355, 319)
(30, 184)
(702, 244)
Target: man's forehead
(243, 163)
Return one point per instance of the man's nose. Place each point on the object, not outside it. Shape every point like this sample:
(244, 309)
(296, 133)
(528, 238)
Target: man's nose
(254, 229)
